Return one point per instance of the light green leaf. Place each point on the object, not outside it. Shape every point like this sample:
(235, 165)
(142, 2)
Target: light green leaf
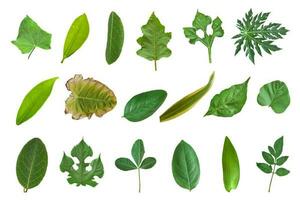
(268, 158)
(274, 94)
(34, 100)
(264, 167)
(230, 101)
(32, 164)
(278, 146)
(31, 36)
(77, 35)
(282, 172)
(148, 163)
(185, 166)
(125, 164)
(115, 38)
(138, 151)
(88, 97)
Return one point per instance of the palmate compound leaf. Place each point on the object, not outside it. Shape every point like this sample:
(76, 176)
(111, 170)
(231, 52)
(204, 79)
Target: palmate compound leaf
(31, 36)
(88, 97)
(80, 175)
(154, 41)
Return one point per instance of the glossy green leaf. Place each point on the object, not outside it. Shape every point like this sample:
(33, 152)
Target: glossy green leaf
(125, 164)
(34, 100)
(185, 166)
(88, 97)
(138, 151)
(143, 105)
(276, 95)
(282, 172)
(32, 164)
(230, 101)
(280, 161)
(154, 41)
(148, 163)
(81, 175)
(231, 166)
(187, 102)
(31, 36)
(77, 35)
(268, 158)
(115, 38)
(278, 146)
(264, 167)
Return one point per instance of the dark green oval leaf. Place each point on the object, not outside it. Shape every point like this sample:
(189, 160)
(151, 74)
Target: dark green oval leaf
(272, 151)
(143, 105)
(138, 151)
(32, 164)
(185, 166)
(115, 38)
(125, 164)
(34, 100)
(280, 161)
(282, 172)
(148, 163)
(278, 146)
(268, 158)
(276, 95)
(264, 167)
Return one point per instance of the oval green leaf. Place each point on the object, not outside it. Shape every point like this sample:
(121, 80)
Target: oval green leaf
(143, 105)
(264, 167)
(138, 151)
(276, 95)
(115, 38)
(77, 35)
(125, 164)
(231, 166)
(185, 166)
(34, 100)
(268, 157)
(282, 172)
(32, 164)
(148, 163)
(187, 102)
(230, 101)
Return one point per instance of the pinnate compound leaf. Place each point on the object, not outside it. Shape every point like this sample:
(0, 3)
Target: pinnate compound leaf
(88, 97)
(143, 105)
(125, 164)
(231, 166)
(268, 158)
(185, 166)
(31, 36)
(77, 35)
(32, 164)
(274, 94)
(34, 100)
(282, 172)
(278, 146)
(79, 175)
(154, 41)
(138, 151)
(148, 163)
(230, 101)
(115, 38)
(264, 167)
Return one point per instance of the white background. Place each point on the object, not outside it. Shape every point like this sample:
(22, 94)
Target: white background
(251, 131)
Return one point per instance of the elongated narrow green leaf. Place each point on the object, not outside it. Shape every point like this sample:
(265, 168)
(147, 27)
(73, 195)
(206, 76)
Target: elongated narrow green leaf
(143, 105)
(77, 34)
(185, 166)
(138, 151)
(187, 102)
(115, 38)
(32, 164)
(231, 166)
(34, 100)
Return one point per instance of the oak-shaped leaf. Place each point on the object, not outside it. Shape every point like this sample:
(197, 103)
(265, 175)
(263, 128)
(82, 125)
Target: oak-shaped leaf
(88, 97)
(81, 175)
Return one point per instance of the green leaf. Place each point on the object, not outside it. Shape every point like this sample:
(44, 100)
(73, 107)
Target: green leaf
(187, 102)
(201, 22)
(256, 35)
(138, 151)
(185, 166)
(268, 158)
(274, 94)
(115, 38)
(80, 175)
(231, 166)
(32, 164)
(272, 151)
(125, 164)
(264, 167)
(280, 161)
(154, 41)
(148, 163)
(278, 146)
(31, 36)
(230, 101)
(34, 100)
(282, 172)
(88, 97)
(143, 105)
(77, 35)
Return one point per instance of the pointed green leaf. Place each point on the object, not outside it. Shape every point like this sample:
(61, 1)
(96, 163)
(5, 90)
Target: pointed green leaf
(268, 158)
(34, 100)
(185, 166)
(148, 163)
(143, 105)
(115, 38)
(272, 151)
(77, 35)
(138, 151)
(66, 163)
(280, 161)
(82, 151)
(125, 164)
(282, 172)
(278, 146)
(264, 167)
(32, 164)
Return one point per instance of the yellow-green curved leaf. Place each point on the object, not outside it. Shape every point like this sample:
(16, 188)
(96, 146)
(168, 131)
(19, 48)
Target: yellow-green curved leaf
(88, 97)
(77, 34)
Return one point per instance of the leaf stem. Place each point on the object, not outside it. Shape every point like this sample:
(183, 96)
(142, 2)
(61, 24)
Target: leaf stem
(209, 55)
(139, 176)
(155, 65)
(25, 190)
(31, 52)
(273, 172)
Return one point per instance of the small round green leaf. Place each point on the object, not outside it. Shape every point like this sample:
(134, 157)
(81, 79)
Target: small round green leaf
(282, 172)
(148, 163)
(125, 164)
(264, 167)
